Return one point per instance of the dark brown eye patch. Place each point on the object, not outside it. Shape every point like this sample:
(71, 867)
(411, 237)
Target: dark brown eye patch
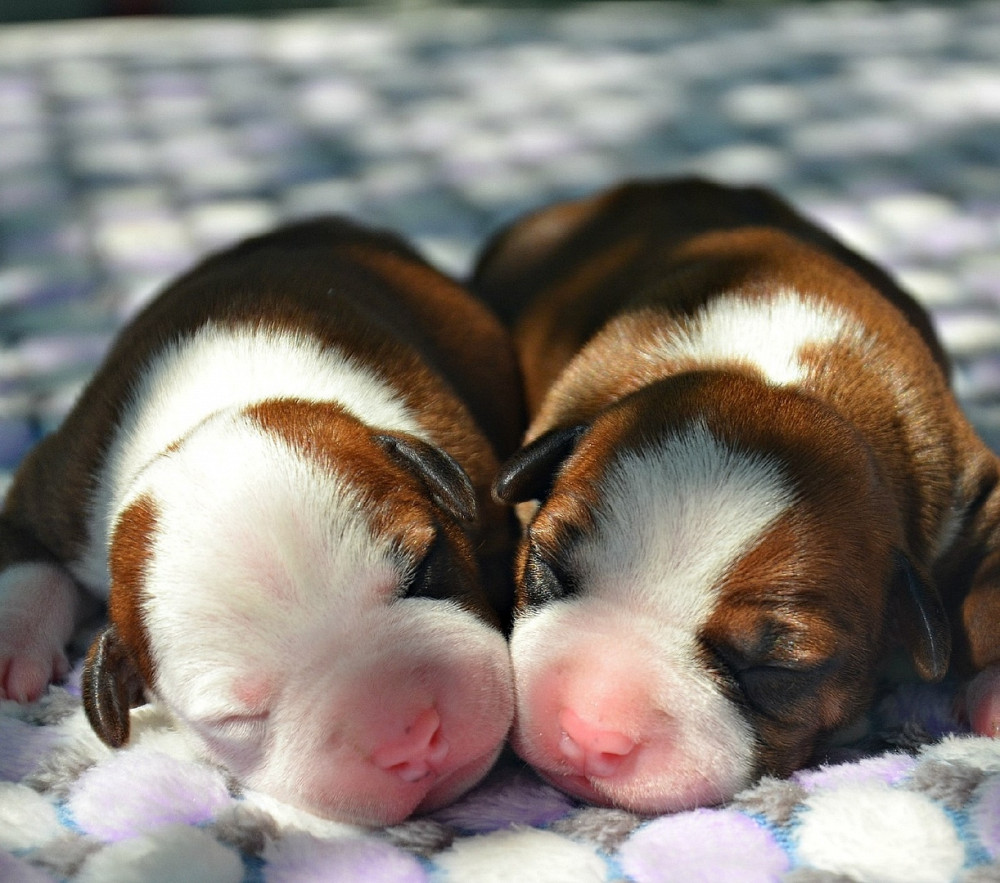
(772, 687)
(432, 576)
(545, 578)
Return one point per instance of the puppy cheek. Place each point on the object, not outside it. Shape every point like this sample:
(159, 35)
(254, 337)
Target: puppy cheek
(807, 728)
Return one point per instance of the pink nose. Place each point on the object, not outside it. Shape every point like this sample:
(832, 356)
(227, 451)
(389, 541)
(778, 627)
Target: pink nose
(591, 750)
(417, 752)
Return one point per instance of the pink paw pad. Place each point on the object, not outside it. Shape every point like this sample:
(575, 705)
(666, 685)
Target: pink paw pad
(983, 702)
(25, 679)
(37, 609)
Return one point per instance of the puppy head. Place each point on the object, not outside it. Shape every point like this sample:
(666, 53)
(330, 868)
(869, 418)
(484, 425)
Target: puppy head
(302, 594)
(704, 592)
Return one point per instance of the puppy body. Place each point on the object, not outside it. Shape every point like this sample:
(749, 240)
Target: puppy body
(752, 477)
(279, 478)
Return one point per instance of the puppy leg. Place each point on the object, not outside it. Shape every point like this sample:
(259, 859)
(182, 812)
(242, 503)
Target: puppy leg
(38, 609)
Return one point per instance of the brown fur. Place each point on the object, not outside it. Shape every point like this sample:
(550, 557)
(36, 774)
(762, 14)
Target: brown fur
(130, 555)
(324, 278)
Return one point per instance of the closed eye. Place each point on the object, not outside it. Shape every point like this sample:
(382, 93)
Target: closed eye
(234, 727)
(545, 580)
(769, 688)
(238, 741)
(772, 688)
(432, 576)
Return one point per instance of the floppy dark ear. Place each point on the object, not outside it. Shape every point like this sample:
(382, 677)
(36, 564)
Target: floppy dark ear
(530, 473)
(438, 471)
(111, 686)
(922, 621)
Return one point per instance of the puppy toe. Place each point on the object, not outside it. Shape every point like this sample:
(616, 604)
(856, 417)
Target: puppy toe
(983, 702)
(37, 613)
(24, 679)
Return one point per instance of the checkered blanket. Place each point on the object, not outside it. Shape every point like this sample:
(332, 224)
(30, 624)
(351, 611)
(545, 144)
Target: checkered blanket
(129, 148)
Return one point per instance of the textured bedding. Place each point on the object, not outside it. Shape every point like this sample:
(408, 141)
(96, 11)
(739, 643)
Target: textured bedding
(913, 799)
(128, 148)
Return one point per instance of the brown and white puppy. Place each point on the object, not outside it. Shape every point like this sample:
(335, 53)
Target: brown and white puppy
(279, 478)
(753, 480)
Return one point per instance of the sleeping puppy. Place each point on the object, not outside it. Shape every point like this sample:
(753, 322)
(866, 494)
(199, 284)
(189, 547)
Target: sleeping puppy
(279, 478)
(751, 479)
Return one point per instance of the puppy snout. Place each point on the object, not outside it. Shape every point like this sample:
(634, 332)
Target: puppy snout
(417, 751)
(592, 750)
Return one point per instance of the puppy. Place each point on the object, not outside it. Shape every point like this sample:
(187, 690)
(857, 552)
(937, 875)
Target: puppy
(279, 478)
(752, 481)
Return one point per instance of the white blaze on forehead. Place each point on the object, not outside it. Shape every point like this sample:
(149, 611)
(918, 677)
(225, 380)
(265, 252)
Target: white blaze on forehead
(769, 334)
(671, 521)
(219, 369)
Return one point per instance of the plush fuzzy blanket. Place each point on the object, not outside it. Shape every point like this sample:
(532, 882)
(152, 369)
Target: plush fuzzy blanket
(912, 799)
(129, 148)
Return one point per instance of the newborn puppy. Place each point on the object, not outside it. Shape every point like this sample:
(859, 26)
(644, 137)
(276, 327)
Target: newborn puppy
(279, 478)
(752, 481)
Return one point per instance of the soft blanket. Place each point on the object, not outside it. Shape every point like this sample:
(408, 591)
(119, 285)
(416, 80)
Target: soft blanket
(924, 808)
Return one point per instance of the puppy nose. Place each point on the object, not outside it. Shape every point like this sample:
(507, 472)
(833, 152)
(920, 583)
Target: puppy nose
(417, 752)
(592, 750)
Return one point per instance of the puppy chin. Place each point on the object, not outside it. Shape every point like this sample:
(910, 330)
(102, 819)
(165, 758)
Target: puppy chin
(396, 800)
(393, 805)
(447, 789)
(320, 818)
(635, 790)
(642, 797)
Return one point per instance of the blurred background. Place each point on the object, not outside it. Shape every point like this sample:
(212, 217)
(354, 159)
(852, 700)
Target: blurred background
(41, 10)
(130, 144)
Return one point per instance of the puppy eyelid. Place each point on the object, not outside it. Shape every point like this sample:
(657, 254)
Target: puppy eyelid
(420, 579)
(735, 662)
(545, 580)
(798, 653)
(233, 722)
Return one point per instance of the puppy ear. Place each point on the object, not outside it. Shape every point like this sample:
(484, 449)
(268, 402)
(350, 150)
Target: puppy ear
(111, 686)
(922, 621)
(530, 473)
(439, 472)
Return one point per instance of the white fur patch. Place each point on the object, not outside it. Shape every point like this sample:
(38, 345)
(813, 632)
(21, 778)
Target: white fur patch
(219, 369)
(768, 334)
(672, 520)
(252, 540)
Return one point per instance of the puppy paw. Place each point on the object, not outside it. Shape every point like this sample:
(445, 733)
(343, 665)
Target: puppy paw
(982, 701)
(37, 612)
